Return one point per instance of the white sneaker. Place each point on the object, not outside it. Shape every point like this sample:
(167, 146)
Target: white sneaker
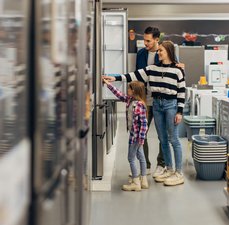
(175, 179)
(159, 171)
(164, 175)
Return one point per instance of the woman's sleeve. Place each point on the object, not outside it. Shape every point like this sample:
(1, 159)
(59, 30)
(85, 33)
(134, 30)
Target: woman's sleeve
(180, 91)
(138, 75)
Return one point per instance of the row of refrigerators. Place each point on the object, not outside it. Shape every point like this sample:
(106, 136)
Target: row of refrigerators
(56, 123)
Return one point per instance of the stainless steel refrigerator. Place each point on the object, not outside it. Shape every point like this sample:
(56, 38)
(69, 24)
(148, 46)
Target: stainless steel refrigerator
(14, 133)
(114, 61)
(98, 114)
(110, 56)
(61, 85)
(115, 42)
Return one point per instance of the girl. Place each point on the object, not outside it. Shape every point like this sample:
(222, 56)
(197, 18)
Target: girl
(137, 127)
(167, 85)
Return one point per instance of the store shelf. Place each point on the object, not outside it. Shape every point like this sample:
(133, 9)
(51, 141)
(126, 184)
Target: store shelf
(114, 23)
(227, 195)
(112, 48)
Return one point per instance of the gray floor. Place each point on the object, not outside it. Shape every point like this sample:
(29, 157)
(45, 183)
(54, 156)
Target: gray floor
(194, 203)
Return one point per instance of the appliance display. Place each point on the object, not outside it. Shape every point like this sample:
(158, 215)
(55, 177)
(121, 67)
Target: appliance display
(201, 101)
(215, 54)
(14, 123)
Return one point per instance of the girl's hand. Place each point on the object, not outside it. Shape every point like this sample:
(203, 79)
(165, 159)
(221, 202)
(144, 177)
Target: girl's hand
(178, 118)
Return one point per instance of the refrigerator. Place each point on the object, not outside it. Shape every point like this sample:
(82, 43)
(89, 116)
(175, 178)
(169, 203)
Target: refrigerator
(79, 101)
(98, 114)
(50, 173)
(62, 89)
(14, 122)
(114, 61)
(109, 56)
(115, 50)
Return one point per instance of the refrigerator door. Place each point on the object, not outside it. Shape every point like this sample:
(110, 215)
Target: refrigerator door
(114, 47)
(49, 143)
(98, 116)
(14, 141)
(79, 86)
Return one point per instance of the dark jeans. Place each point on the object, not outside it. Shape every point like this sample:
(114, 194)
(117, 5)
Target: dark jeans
(160, 158)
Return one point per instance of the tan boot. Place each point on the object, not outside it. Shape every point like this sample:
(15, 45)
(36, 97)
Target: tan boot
(134, 186)
(144, 182)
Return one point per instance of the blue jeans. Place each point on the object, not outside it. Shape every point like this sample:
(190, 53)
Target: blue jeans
(164, 112)
(136, 150)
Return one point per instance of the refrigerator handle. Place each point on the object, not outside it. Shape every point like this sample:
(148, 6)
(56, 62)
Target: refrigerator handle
(101, 136)
(63, 188)
(83, 133)
(101, 105)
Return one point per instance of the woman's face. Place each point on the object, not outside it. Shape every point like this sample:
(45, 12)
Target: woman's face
(162, 53)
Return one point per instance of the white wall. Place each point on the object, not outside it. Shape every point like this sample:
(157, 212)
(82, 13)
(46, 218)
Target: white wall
(161, 11)
(168, 1)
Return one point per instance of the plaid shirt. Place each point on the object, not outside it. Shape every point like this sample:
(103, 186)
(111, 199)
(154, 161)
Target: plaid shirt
(139, 123)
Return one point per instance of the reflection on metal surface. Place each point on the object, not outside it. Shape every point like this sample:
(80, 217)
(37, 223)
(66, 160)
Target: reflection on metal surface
(14, 143)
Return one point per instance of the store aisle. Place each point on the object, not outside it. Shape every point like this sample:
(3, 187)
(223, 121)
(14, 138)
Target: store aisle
(194, 203)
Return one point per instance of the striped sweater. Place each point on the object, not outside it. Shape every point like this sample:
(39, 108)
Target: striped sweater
(165, 81)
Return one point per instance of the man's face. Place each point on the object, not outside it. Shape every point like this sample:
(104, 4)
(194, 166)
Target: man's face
(150, 42)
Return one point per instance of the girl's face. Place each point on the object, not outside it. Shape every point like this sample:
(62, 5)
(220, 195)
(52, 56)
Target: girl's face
(130, 92)
(162, 53)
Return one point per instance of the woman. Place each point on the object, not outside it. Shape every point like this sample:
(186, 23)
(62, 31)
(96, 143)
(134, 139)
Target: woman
(167, 84)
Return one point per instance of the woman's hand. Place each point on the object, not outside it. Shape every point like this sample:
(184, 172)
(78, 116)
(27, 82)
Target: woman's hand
(108, 78)
(178, 118)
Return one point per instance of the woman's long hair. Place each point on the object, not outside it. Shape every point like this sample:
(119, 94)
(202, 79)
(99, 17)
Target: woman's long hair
(139, 92)
(170, 49)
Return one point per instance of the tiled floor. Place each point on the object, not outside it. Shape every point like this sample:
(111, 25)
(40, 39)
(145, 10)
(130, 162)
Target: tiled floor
(196, 202)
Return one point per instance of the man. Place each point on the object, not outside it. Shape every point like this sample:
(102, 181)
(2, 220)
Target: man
(148, 56)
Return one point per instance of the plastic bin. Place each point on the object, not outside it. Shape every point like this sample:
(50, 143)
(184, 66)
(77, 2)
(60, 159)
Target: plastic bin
(199, 120)
(195, 123)
(209, 170)
(195, 130)
(209, 154)
(209, 140)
